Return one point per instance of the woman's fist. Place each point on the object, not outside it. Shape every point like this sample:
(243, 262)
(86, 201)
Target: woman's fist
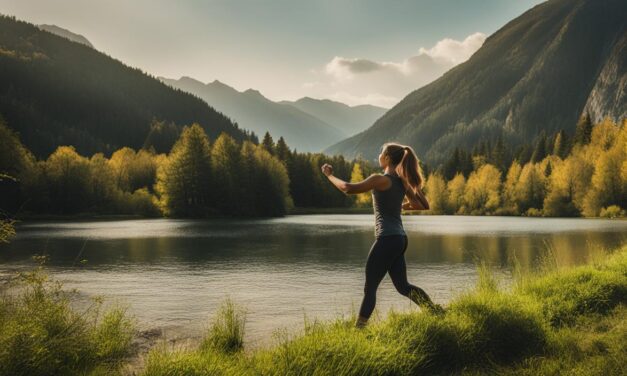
(327, 169)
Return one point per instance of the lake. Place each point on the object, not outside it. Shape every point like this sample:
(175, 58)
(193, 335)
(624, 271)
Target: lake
(174, 273)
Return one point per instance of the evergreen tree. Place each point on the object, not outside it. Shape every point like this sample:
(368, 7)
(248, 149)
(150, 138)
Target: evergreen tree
(583, 130)
(282, 150)
(452, 165)
(539, 151)
(225, 166)
(560, 147)
(268, 143)
(184, 179)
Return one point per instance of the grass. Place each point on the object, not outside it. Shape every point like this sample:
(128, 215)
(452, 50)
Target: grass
(557, 321)
(41, 334)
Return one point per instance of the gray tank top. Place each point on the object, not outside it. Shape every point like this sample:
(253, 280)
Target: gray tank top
(387, 208)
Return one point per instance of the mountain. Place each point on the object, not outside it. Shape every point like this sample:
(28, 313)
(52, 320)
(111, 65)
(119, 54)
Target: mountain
(54, 29)
(539, 72)
(251, 110)
(57, 92)
(351, 119)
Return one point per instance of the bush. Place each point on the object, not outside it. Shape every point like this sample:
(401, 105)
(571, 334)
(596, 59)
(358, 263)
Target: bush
(613, 211)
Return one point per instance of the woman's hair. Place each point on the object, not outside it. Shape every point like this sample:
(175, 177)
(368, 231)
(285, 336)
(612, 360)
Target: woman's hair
(406, 162)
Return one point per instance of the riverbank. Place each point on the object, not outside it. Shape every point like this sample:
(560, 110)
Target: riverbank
(552, 322)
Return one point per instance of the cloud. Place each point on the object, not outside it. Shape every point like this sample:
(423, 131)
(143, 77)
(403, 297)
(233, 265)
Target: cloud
(388, 82)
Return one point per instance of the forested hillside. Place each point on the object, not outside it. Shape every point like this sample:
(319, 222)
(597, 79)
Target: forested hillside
(56, 92)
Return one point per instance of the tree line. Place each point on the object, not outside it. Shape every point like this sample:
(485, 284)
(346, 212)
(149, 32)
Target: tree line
(198, 177)
(582, 175)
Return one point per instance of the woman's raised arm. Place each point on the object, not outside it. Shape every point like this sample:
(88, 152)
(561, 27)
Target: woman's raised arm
(371, 182)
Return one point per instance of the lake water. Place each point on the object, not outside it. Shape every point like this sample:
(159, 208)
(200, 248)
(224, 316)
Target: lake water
(173, 274)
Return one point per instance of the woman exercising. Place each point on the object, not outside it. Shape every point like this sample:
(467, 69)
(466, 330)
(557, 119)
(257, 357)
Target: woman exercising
(402, 178)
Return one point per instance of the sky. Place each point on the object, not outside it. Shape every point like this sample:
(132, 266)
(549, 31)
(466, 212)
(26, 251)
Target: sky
(355, 52)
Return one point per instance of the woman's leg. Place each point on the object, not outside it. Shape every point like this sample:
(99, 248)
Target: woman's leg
(383, 251)
(398, 274)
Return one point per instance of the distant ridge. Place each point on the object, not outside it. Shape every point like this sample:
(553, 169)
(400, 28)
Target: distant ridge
(307, 124)
(54, 29)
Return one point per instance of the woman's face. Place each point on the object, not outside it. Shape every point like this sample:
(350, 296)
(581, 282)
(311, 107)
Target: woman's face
(383, 159)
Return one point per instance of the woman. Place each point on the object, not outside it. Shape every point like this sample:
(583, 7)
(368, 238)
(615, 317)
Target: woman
(402, 178)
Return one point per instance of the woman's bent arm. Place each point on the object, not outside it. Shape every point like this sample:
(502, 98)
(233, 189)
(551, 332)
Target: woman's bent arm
(371, 182)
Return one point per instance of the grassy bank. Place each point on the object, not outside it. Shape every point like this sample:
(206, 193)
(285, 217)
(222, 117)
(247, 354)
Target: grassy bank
(554, 322)
(42, 334)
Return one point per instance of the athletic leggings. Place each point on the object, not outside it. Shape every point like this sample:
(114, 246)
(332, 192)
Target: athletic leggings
(387, 255)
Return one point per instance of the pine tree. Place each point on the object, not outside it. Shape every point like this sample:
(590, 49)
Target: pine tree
(268, 143)
(282, 150)
(452, 165)
(583, 130)
(184, 179)
(540, 150)
(560, 146)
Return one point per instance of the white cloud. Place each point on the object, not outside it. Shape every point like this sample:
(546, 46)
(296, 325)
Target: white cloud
(388, 82)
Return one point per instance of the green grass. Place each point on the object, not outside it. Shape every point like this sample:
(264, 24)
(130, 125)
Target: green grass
(41, 334)
(558, 321)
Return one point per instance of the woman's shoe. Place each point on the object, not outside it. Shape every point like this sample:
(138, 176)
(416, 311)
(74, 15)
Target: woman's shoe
(361, 322)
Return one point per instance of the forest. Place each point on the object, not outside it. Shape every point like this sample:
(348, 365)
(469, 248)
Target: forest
(198, 177)
(561, 175)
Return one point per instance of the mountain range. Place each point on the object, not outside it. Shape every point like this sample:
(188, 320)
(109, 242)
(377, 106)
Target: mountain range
(538, 73)
(307, 124)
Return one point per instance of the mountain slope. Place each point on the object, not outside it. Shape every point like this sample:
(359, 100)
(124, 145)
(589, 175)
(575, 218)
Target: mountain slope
(54, 29)
(538, 72)
(251, 110)
(351, 120)
(57, 92)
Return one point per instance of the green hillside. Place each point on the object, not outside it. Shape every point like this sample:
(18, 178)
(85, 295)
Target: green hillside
(57, 92)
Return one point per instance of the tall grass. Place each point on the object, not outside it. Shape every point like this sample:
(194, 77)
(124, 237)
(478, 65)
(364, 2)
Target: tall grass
(546, 323)
(41, 334)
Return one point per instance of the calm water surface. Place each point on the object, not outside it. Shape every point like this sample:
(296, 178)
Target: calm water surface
(173, 274)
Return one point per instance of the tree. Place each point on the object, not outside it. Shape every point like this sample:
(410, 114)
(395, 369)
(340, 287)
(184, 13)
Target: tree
(608, 184)
(530, 188)
(583, 130)
(482, 192)
(455, 191)
(510, 186)
(268, 143)
(273, 184)
(68, 177)
(361, 199)
(560, 147)
(539, 152)
(225, 166)
(453, 164)
(283, 151)
(435, 190)
(184, 179)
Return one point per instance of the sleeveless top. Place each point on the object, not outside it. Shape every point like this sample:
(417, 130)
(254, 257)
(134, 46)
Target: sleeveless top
(387, 208)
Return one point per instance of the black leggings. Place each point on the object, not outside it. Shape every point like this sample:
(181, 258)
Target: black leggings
(387, 255)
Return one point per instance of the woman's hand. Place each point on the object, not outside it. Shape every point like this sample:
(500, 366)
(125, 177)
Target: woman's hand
(327, 169)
